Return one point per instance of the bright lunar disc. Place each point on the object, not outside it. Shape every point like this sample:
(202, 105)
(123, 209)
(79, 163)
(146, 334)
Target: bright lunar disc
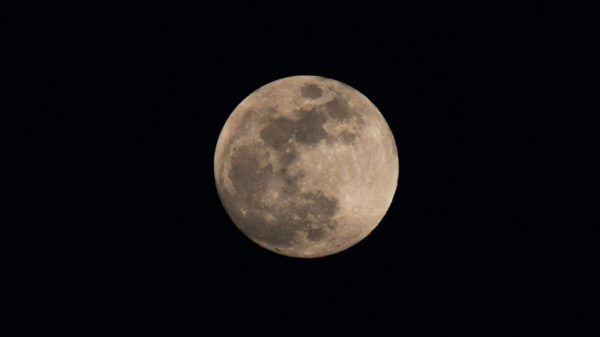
(306, 166)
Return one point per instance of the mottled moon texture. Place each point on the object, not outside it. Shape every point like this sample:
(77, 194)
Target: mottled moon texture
(306, 166)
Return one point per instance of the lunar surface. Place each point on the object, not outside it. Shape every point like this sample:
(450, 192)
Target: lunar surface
(306, 166)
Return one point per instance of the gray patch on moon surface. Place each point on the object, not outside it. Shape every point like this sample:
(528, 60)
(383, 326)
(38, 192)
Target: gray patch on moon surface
(309, 128)
(316, 234)
(311, 91)
(247, 174)
(347, 136)
(277, 132)
(290, 182)
(317, 205)
(338, 108)
(288, 156)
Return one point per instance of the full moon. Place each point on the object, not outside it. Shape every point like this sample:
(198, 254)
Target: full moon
(306, 166)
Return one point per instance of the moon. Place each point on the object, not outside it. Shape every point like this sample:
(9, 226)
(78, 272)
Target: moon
(306, 166)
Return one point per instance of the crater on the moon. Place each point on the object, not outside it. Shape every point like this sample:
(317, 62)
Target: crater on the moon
(312, 91)
(338, 108)
(295, 173)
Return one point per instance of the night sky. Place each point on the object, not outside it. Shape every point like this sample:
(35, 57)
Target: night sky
(119, 231)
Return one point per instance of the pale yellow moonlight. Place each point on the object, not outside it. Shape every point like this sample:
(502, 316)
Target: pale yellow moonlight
(306, 166)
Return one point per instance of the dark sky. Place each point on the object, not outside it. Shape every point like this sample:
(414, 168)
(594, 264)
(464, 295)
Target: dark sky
(120, 231)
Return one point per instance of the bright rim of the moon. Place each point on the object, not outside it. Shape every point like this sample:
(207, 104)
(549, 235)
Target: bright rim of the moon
(306, 166)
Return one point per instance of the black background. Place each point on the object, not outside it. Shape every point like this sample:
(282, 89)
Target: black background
(120, 231)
